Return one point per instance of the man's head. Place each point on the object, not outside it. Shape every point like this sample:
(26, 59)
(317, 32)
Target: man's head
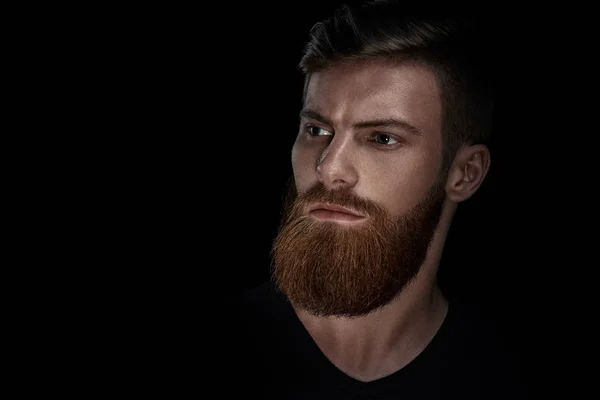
(457, 50)
(392, 130)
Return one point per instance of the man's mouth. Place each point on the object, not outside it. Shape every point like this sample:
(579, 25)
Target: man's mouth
(332, 212)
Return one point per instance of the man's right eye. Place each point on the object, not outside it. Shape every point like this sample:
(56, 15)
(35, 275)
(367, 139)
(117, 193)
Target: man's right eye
(312, 130)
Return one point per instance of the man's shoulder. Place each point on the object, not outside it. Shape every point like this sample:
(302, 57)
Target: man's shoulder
(482, 344)
(470, 330)
(253, 323)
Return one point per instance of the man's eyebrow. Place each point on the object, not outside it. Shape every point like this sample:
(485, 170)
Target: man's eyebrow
(389, 122)
(312, 114)
(375, 123)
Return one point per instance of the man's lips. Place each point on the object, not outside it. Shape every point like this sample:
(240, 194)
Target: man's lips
(333, 212)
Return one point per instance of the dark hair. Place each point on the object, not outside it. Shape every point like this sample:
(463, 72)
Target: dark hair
(456, 49)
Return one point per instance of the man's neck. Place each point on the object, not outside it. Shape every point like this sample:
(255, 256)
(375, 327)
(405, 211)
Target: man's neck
(381, 343)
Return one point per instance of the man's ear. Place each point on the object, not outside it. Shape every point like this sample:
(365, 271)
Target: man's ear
(467, 172)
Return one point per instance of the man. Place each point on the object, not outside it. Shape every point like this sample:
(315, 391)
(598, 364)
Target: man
(392, 138)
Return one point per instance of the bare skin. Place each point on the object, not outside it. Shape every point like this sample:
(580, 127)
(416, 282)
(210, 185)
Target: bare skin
(393, 165)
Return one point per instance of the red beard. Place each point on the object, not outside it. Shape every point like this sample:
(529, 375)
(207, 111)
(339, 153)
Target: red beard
(329, 269)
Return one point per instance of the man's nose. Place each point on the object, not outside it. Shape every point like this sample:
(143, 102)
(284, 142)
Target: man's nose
(336, 165)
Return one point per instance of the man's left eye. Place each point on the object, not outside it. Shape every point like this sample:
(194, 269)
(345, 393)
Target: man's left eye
(382, 138)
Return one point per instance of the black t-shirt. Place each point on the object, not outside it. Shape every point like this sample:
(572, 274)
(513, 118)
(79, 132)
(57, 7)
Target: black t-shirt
(270, 354)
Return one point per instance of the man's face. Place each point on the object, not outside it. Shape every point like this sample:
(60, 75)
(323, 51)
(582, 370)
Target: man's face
(339, 146)
(369, 141)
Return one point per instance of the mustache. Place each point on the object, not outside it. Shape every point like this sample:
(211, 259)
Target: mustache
(343, 197)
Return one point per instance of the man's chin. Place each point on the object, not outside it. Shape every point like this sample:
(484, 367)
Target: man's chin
(349, 265)
(324, 309)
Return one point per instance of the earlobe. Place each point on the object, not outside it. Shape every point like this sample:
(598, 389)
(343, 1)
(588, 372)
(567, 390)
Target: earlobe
(468, 172)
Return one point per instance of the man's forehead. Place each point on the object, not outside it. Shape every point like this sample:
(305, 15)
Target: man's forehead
(371, 80)
(374, 90)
